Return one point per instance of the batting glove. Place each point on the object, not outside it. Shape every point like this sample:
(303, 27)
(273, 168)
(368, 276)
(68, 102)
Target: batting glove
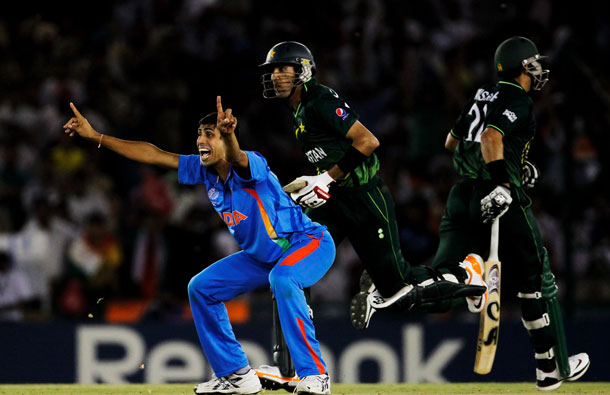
(530, 175)
(495, 204)
(315, 193)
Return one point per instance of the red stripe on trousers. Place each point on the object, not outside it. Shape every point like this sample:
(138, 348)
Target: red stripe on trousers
(313, 354)
(302, 252)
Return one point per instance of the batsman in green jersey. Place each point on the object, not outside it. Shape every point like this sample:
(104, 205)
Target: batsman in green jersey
(347, 196)
(491, 139)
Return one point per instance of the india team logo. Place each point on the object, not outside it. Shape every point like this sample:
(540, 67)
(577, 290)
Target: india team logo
(341, 113)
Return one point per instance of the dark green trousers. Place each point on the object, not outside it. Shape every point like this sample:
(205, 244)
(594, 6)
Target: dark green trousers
(520, 250)
(365, 216)
(462, 231)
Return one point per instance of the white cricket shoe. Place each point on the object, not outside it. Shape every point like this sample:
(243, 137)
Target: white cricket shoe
(361, 309)
(474, 267)
(379, 302)
(369, 299)
(579, 364)
(272, 379)
(316, 384)
(247, 383)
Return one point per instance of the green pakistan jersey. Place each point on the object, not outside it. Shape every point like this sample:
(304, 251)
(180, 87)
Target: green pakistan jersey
(506, 107)
(321, 123)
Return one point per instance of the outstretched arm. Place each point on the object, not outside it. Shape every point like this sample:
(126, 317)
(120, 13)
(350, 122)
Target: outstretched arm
(139, 151)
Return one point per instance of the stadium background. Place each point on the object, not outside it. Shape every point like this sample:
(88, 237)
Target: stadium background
(80, 224)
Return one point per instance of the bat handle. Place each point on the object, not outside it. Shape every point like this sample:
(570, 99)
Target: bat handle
(493, 243)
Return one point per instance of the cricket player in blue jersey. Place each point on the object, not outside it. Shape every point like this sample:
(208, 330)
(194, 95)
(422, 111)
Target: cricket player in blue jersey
(281, 248)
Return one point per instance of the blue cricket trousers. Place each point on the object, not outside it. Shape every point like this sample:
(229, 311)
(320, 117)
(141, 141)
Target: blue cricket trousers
(301, 266)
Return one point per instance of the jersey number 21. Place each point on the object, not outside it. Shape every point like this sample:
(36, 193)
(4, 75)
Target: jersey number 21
(477, 124)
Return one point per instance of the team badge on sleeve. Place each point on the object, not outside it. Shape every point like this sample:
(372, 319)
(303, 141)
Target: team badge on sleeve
(341, 113)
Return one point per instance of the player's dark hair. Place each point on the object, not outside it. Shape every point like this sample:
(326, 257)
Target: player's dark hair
(211, 119)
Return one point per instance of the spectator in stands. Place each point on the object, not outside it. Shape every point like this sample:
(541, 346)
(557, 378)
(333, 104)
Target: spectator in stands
(16, 294)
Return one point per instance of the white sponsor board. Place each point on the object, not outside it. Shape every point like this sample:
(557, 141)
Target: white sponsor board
(183, 361)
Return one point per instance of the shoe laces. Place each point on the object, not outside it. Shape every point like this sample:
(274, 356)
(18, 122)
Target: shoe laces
(223, 381)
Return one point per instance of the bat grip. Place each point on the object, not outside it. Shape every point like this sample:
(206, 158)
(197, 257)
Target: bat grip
(495, 237)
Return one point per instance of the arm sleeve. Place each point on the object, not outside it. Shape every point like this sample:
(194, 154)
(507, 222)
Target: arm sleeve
(190, 170)
(334, 112)
(460, 127)
(507, 118)
(259, 169)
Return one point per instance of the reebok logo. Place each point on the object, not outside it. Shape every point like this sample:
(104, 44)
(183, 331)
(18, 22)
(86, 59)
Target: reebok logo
(510, 115)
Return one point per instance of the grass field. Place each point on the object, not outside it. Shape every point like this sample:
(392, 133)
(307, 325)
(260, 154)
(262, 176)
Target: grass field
(355, 389)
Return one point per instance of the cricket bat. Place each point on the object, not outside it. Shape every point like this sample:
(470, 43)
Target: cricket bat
(489, 323)
(295, 186)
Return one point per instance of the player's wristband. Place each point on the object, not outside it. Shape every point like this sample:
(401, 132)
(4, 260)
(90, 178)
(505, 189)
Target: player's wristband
(352, 159)
(497, 171)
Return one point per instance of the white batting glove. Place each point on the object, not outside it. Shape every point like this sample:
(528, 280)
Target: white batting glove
(315, 193)
(495, 204)
(530, 175)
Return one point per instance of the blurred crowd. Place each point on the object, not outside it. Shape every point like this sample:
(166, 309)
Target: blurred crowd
(84, 232)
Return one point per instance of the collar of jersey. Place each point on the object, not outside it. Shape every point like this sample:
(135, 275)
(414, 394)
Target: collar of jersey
(512, 83)
(294, 114)
(312, 80)
(216, 176)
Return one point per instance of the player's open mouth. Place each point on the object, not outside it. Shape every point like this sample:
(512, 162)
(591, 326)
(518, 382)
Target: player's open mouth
(204, 153)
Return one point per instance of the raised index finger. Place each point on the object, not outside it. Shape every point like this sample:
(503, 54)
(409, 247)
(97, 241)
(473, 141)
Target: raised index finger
(75, 111)
(218, 105)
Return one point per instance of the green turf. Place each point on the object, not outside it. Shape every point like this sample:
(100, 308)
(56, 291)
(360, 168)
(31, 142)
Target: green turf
(353, 389)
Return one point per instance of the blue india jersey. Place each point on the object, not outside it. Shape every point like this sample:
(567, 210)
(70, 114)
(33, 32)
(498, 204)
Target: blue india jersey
(261, 217)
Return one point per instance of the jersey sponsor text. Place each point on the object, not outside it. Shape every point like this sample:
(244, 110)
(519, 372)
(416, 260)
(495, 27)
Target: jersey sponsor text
(315, 155)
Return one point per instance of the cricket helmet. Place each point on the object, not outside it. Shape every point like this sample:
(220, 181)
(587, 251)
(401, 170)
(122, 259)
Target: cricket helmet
(518, 54)
(287, 53)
